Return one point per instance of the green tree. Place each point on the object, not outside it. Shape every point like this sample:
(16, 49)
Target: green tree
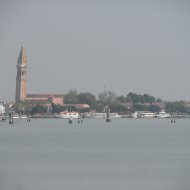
(39, 109)
(153, 108)
(177, 106)
(148, 98)
(159, 100)
(138, 98)
(87, 98)
(121, 99)
(23, 107)
(56, 108)
(71, 97)
(118, 107)
(140, 107)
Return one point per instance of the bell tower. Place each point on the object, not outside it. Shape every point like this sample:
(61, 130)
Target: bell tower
(21, 77)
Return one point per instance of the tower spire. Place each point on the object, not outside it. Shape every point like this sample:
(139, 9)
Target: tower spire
(22, 56)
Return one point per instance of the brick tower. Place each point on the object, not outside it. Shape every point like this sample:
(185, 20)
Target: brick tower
(21, 77)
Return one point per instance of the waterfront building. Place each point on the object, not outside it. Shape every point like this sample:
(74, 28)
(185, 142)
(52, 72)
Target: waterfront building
(54, 98)
(21, 84)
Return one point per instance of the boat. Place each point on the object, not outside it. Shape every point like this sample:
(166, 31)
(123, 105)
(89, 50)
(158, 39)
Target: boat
(69, 115)
(114, 115)
(19, 116)
(145, 114)
(96, 115)
(163, 114)
(134, 115)
(101, 115)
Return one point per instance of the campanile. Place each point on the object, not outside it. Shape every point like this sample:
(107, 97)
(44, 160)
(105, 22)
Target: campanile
(21, 77)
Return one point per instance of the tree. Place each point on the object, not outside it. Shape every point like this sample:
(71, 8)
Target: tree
(23, 107)
(38, 109)
(148, 98)
(71, 97)
(107, 98)
(159, 100)
(137, 98)
(177, 106)
(121, 99)
(134, 98)
(56, 108)
(153, 108)
(87, 98)
(118, 107)
(140, 107)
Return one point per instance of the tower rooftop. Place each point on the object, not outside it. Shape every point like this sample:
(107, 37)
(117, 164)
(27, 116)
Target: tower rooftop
(22, 56)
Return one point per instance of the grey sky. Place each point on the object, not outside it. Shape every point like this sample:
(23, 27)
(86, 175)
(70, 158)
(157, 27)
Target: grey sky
(136, 46)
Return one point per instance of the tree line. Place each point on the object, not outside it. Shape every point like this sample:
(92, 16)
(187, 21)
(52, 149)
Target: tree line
(121, 104)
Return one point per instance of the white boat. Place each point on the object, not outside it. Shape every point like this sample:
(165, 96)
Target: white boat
(19, 116)
(145, 114)
(69, 115)
(115, 115)
(163, 114)
(102, 115)
(135, 115)
(96, 115)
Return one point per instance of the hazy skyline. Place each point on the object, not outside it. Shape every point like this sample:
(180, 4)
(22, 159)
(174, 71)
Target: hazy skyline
(126, 46)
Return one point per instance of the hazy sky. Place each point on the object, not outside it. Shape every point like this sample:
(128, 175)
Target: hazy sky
(126, 46)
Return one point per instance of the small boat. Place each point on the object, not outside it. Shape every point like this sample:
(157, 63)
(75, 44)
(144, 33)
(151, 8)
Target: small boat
(163, 114)
(134, 115)
(96, 115)
(69, 115)
(103, 115)
(19, 116)
(145, 114)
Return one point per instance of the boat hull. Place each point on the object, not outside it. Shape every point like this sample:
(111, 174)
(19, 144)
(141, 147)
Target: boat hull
(69, 115)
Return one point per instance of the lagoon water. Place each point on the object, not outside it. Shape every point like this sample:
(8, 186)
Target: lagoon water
(126, 154)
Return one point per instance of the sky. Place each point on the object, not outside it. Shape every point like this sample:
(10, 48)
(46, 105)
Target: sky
(121, 46)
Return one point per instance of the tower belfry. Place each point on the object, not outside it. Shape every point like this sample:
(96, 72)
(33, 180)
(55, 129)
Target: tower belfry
(21, 77)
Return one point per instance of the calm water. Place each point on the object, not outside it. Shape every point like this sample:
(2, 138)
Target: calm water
(126, 154)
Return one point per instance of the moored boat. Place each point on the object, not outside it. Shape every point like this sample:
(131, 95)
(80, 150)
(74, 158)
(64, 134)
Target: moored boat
(19, 116)
(69, 115)
(145, 114)
(102, 115)
(163, 114)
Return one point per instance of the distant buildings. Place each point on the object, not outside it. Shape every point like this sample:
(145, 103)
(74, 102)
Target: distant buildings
(77, 106)
(21, 80)
(54, 98)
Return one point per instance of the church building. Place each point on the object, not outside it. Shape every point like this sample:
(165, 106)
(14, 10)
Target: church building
(21, 80)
